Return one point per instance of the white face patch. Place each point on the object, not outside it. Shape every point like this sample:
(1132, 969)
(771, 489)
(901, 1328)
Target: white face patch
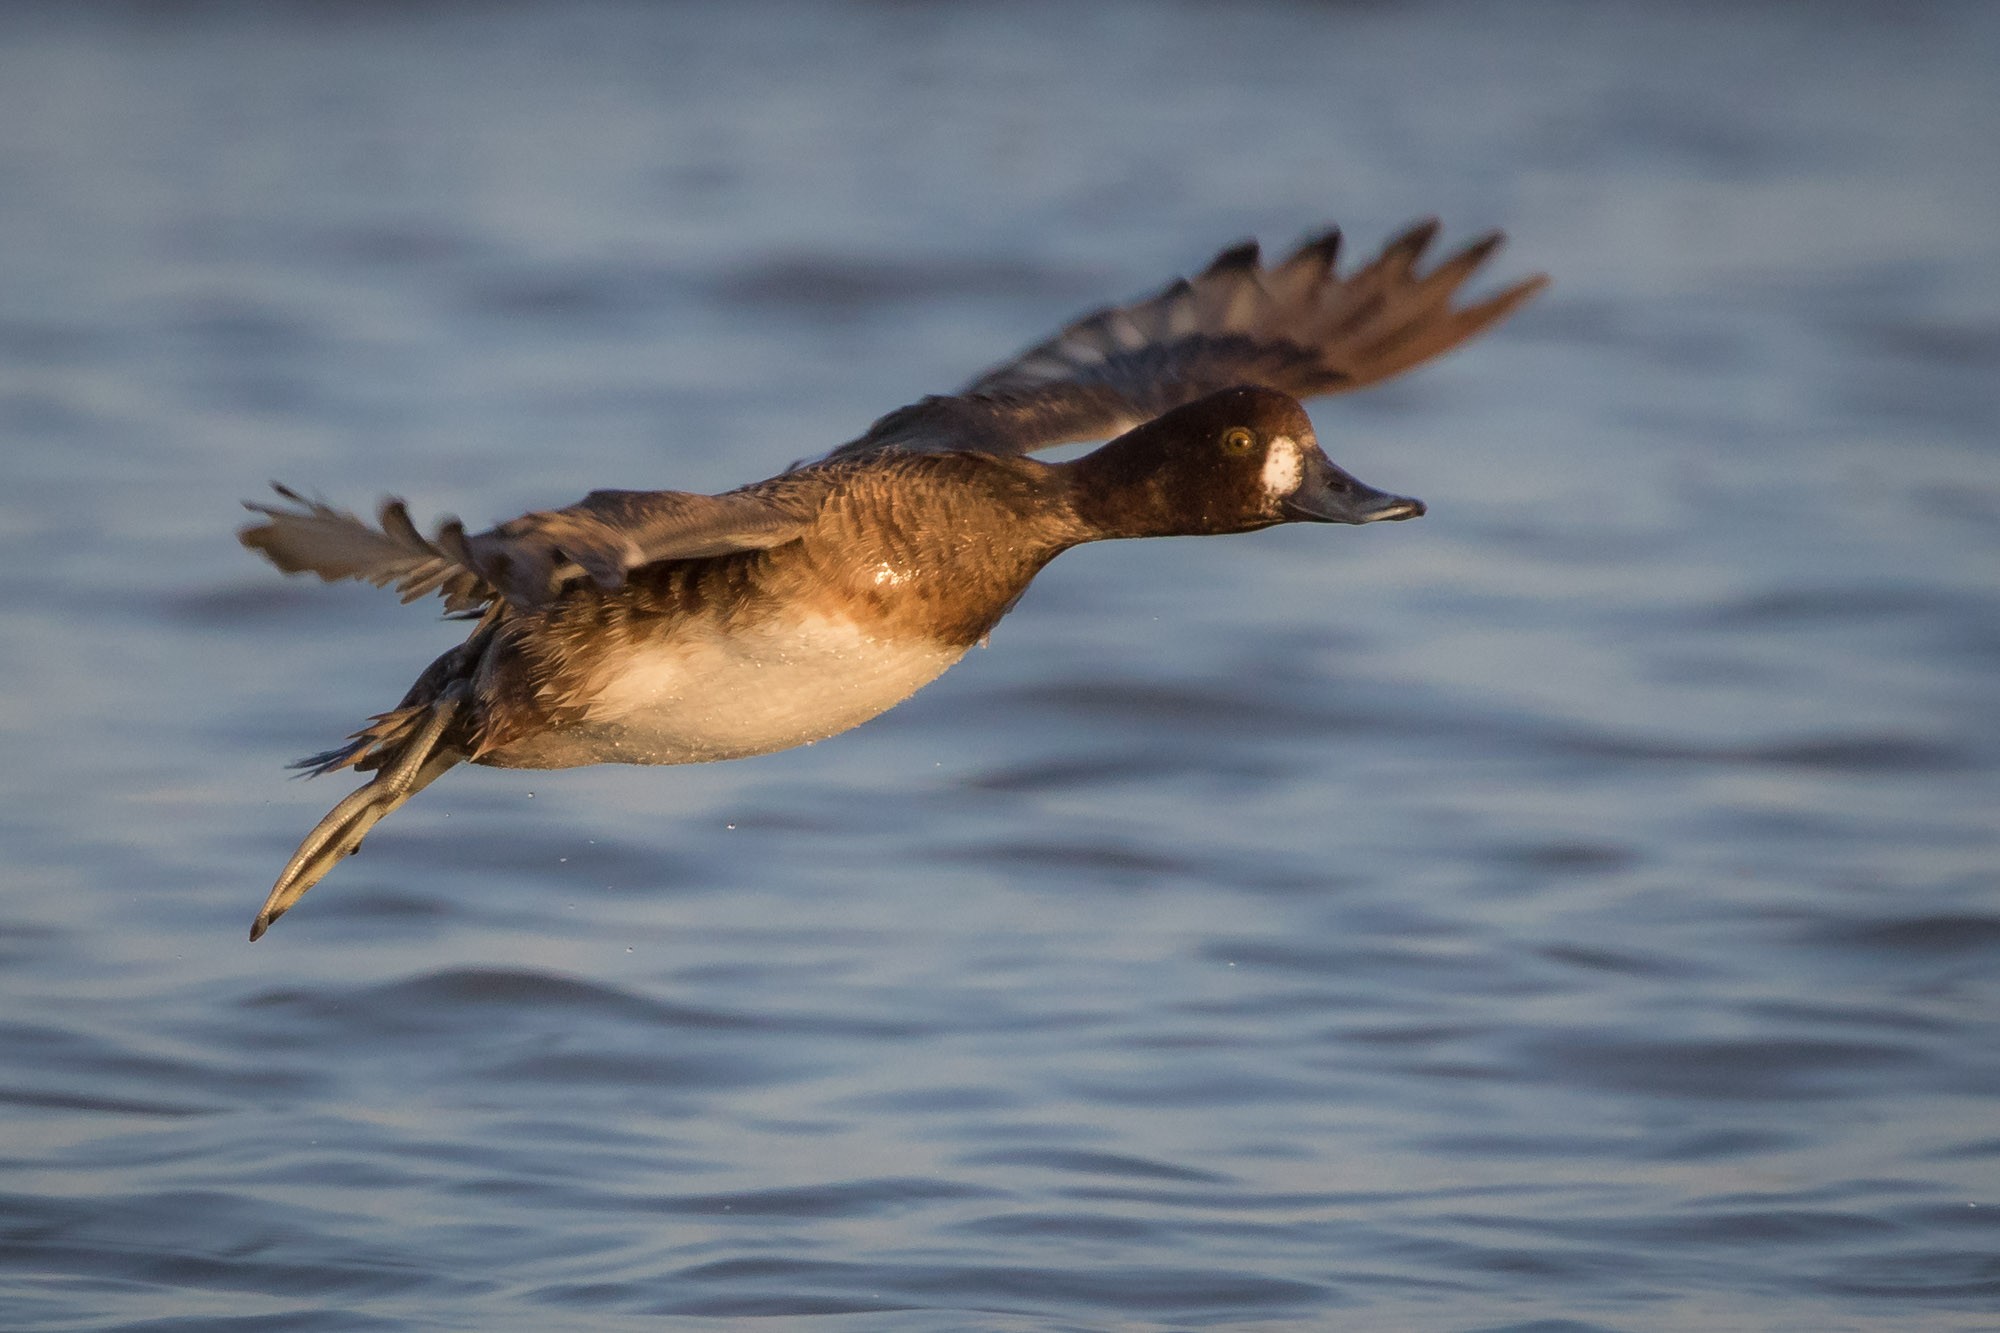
(1284, 466)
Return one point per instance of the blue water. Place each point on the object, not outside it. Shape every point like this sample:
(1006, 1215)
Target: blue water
(1575, 911)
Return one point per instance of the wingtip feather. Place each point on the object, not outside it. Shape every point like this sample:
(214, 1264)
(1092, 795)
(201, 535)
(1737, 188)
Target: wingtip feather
(1242, 256)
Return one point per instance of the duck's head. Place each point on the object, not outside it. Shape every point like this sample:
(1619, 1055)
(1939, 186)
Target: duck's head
(1234, 461)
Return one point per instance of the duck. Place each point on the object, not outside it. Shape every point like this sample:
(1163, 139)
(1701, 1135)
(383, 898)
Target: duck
(668, 627)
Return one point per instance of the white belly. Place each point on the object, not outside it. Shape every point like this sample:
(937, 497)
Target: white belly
(758, 689)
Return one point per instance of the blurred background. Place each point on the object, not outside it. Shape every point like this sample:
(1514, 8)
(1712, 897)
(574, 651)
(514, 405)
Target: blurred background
(1574, 911)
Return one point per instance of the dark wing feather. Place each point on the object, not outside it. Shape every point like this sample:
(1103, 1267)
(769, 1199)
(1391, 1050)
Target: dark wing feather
(610, 533)
(313, 537)
(1298, 326)
(524, 560)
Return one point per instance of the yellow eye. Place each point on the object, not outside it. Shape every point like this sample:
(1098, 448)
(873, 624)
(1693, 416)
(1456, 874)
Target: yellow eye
(1236, 439)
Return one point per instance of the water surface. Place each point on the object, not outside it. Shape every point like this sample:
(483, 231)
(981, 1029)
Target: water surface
(1574, 911)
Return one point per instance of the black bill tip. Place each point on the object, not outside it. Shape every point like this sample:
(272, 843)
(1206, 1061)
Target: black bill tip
(1328, 495)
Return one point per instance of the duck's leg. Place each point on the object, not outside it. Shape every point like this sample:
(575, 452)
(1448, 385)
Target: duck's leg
(340, 833)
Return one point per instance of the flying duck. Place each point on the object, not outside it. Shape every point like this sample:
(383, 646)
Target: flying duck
(665, 627)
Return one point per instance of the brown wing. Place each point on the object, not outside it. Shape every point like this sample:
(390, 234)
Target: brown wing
(311, 536)
(1298, 326)
(524, 560)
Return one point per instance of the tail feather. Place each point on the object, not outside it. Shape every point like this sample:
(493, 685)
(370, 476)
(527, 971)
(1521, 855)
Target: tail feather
(386, 735)
(383, 737)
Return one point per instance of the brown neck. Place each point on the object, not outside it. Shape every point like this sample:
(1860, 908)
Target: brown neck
(1115, 490)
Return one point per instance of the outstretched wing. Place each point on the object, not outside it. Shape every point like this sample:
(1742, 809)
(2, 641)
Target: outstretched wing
(607, 534)
(524, 560)
(310, 536)
(1299, 326)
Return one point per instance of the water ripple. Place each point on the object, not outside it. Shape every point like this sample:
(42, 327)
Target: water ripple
(1572, 913)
